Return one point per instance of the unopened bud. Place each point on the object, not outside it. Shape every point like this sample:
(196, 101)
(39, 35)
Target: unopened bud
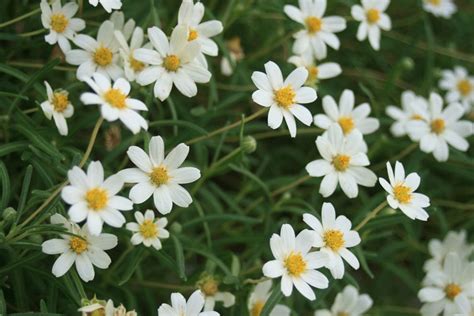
(249, 144)
(408, 63)
(9, 214)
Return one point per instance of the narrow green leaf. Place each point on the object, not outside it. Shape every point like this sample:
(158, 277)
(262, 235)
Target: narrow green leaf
(25, 189)
(179, 257)
(133, 260)
(272, 301)
(6, 188)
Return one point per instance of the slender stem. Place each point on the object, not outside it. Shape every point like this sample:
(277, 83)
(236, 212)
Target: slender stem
(256, 281)
(398, 157)
(371, 215)
(32, 33)
(454, 205)
(164, 285)
(279, 191)
(228, 127)
(38, 65)
(63, 184)
(19, 18)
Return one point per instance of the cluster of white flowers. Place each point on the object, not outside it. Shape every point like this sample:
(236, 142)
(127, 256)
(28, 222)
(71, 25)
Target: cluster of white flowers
(425, 121)
(448, 287)
(122, 53)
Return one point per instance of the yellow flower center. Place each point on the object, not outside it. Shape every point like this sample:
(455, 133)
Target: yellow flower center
(257, 308)
(435, 2)
(59, 22)
(402, 193)
(171, 63)
(452, 290)
(193, 34)
(159, 175)
(416, 117)
(464, 87)
(313, 72)
(334, 239)
(148, 229)
(295, 264)
(136, 65)
(209, 287)
(115, 98)
(373, 16)
(341, 162)
(60, 101)
(313, 24)
(96, 199)
(285, 97)
(342, 314)
(438, 126)
(98, 312)
(78, 245)
(103, 56)
(346, 123)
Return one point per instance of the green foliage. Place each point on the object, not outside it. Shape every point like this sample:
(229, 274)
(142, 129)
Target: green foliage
(243, 196)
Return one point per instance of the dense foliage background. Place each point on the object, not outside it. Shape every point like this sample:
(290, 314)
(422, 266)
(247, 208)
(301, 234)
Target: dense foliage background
(243, 197)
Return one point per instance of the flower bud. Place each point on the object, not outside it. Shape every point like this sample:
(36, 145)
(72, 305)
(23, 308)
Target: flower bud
(248, 144)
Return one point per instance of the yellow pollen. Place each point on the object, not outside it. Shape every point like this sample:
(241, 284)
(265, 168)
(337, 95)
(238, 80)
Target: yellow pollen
(464, 87)
(452, 290)
(313, 72)
(59, 22)
(313, 24)
(115, 98)
(78, 245)
(373, 16)
(159, 175)
(136, 65)
(97, 199)
(342, 314)
(98, 312)
(295, 264)
(346, 123)
(438, 126)
(103, 56)
(209, 287)
(60, 101)
(416, 117)
(193, 34)
(334, 239)
(257, 308)
(171, 62)
(285, 97)
(148, 229)
(402, 193)
(435, 2)
(341, 162)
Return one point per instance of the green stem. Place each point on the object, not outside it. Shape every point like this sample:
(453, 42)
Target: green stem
(19, 18)
(371, 215)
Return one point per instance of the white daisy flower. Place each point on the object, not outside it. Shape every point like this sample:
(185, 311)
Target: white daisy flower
(295, 264)
(114, 101)
(444, 290)
(172, 62)
(283, 97)
(319, 30)
(132, 67)
(60, 22)
(401, 192)
(333, 236)
(460, 86)
(108, 5)
(453, 242)
(99, 307)
(466, 308)
(349, 118)
(441, 128)
(126, 28)
(343, 162)
(372, 18)
(99, 55)
(413, 107)
(348, 303)
(57, 107)
(147, 230)
(94, 199)
(190, 16)
(159, 176)
(440, 8)
(209, 287)
(81, 248)
(316, 71)
(179, 306)
(259, 297)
